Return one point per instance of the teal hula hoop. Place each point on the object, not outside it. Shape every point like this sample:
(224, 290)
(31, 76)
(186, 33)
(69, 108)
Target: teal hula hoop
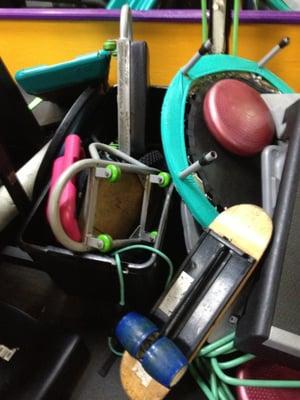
(172, 125)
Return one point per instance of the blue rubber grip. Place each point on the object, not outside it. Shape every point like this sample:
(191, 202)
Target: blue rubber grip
(133, 330)
(163, 361)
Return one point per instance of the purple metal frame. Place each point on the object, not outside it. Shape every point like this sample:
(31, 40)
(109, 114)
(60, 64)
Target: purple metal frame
(262, 17)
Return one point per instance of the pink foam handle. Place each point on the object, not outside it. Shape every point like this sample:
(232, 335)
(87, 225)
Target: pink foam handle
(67, 202)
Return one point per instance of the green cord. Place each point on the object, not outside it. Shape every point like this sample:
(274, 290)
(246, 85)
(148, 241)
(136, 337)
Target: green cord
(120, 271)
(218, 380)
(215, 345)
(214, 385)
(236, 362)
(204, 21)
(291, 384)
(227, 391)
(121, 279)
(202, 385)
(122, 299)
(152, 250)
(222, 395)
(121, 276)
(221, 350)
(218, 390)
(112, 349)
(235, 32)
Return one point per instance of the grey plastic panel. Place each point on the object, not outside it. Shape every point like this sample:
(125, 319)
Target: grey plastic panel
(293, 4)
(278, 104)
(272, 163)
(273, 157)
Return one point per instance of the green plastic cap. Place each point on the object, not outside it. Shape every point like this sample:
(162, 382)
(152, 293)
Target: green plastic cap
(165, 179)
(114, 173)
(110, 45)
(153, 235)
(107, 242)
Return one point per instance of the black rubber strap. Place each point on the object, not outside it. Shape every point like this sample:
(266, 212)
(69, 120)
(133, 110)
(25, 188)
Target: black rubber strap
(12, 183)
(62, 131)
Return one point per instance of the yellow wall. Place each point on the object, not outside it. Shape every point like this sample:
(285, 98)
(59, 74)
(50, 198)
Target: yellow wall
(29, 43)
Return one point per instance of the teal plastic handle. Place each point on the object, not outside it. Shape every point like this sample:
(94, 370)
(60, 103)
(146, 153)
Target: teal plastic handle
(172, 126)
(141, 5)
(278, 5)
(45, 79)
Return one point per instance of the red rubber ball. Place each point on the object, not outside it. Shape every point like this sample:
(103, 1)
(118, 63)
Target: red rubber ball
(238, 118)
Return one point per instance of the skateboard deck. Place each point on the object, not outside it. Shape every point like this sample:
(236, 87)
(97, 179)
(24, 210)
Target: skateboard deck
(248, 229)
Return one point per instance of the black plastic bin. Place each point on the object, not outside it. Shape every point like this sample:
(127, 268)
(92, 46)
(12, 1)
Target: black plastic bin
(94, 275)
